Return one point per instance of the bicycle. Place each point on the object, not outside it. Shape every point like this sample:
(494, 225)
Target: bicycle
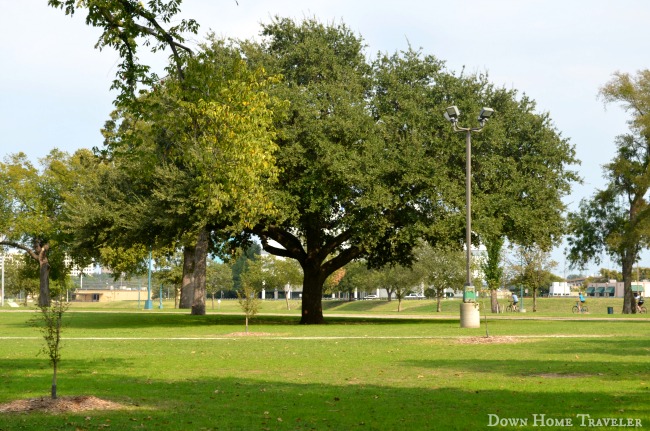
(579, 309)
(512, 307)
(641, 309)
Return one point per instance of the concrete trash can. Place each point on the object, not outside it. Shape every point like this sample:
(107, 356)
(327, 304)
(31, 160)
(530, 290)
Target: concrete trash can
(469, 315)
(610, 310)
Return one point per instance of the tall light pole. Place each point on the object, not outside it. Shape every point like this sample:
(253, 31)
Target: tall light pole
(2, 291)
(148, 304)
(451, 114)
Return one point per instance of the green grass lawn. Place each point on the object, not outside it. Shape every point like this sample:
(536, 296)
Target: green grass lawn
(549, 307)
(174, 371)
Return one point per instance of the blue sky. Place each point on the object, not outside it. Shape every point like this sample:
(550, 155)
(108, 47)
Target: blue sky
(54, 86)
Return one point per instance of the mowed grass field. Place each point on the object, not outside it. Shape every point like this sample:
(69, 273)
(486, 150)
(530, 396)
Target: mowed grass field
(366, 369)
(549, 307)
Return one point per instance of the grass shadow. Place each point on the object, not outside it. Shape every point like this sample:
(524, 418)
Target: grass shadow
(247, 403)
(579, 358)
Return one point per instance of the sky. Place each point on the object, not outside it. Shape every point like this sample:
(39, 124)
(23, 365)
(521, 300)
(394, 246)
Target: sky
(54, 85)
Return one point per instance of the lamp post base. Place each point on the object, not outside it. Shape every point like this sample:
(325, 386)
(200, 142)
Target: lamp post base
(470, 317)
(148, 304)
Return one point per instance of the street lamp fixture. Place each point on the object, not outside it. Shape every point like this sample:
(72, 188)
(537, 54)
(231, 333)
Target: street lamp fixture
(451, 114)
(485, 114)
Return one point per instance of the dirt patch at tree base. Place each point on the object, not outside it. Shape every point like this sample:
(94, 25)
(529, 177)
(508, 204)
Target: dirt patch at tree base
(492, 340)
(59, 405)
(249, 334)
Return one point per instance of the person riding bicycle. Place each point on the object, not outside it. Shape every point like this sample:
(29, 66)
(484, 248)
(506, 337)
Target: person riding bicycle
(639, 301)
(515, 300)
(582, 300)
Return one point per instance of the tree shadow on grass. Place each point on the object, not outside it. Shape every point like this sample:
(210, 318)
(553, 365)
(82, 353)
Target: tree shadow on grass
(249, 404)
(110, 321)
(611, 347)
(355, 306)
(578, 358)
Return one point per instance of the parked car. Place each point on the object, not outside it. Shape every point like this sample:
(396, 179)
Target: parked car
(414, 296)
(371, 297)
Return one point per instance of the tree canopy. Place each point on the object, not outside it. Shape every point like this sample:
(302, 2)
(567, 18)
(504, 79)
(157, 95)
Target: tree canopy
(347, 189)
(441, 268)
(194, 158)
(32, 207)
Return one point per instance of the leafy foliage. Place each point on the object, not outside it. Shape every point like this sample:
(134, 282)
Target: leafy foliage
(533, 268)
(369, 165)
(33, 204)
(442, 268)
(241, 262)
(194, 159)
(20, 278)
(129, 24)
(248, 301)
(356, 275)
(398, 280)
(218, 278)
(616, 219)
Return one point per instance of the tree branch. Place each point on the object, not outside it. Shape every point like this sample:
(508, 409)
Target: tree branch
(13, 244)
(343, 258)
(161, 34)
(336, 242)
(292, 246)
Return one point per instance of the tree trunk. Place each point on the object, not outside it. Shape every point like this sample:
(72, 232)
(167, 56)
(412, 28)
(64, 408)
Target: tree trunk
(312, 295)
(494, 301)
(187, 286)
(439, 307)
(200, 258)
(629, 305)
(493, 272)
(399, 304)
(534, 300)
(53, 392)
(44, 299)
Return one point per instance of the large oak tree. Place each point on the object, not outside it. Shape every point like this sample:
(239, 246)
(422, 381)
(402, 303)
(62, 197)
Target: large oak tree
(356, 181)
(369, 165)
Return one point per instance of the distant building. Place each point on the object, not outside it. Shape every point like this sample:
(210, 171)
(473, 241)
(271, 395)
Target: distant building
(75, 271)
(559, 288)
(109, 295)
(614, 288)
